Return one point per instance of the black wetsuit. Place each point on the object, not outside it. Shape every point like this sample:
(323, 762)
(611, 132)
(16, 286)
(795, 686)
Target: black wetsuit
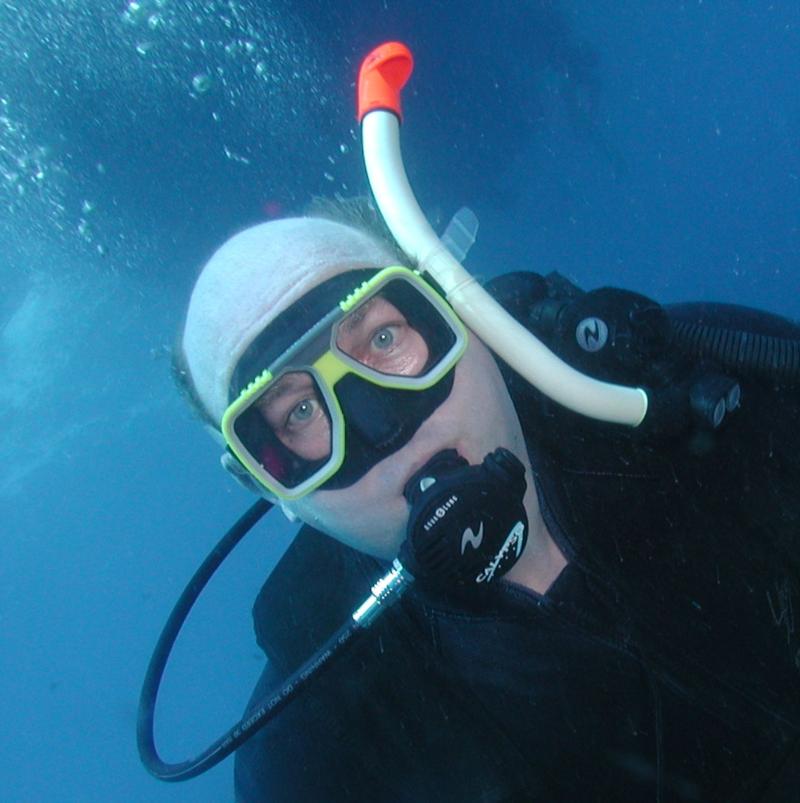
(662, 665)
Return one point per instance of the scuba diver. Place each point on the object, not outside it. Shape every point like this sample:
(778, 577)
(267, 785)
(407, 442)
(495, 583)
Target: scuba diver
(635, 642)
(598, 562)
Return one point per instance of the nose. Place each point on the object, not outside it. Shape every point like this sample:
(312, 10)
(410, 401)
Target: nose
(374, 413)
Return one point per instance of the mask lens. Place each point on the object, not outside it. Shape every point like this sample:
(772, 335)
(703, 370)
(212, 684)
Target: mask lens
(397, 332)
(287, 429)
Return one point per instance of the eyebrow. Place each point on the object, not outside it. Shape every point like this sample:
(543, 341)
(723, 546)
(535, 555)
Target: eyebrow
(288, 383)
(357, 315)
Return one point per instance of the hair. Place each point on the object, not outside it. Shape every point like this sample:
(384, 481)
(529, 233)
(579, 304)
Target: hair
(357, 213)
(182, 378)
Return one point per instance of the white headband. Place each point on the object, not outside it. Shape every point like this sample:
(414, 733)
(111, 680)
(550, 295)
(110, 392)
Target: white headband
(255, 275)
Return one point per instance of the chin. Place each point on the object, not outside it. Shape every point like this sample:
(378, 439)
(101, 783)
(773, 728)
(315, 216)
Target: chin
(384, 547)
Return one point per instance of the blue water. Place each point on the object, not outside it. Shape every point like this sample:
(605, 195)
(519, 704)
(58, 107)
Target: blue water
(651, 145)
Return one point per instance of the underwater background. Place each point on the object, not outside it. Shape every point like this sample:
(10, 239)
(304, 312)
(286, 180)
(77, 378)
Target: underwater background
(654, 146)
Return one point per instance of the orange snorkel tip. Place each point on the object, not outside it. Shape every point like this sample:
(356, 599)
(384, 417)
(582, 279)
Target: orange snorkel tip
(383, 73)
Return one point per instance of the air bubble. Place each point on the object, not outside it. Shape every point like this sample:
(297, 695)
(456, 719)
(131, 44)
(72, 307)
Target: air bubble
(201, 83)
(235, 157)
(130, 13)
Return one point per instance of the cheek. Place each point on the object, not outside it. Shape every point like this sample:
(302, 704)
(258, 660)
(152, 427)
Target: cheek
(482, 407)
(480, 398)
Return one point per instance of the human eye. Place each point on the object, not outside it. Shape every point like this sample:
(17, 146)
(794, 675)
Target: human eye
(291, 403)
(302, 412)
(385, 337)
(379, 336)
(373, 331)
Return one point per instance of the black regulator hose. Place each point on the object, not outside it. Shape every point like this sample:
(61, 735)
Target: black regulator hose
(158, 661)
(751, 353)
(388, 589)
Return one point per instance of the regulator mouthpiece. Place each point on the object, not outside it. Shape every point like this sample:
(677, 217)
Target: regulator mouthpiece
(468, 524)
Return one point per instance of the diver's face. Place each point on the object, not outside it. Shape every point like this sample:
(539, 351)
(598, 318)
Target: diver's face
(477, 417)
(377, 336)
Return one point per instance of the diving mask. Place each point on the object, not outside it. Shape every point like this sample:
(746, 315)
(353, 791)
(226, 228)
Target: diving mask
(361, 379)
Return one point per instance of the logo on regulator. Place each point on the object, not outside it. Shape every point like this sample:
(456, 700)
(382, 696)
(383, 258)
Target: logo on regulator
(471, 538)
(591, 334)
(440, 512)
(514, 538)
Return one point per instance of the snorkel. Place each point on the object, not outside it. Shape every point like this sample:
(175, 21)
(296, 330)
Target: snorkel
(382, 76)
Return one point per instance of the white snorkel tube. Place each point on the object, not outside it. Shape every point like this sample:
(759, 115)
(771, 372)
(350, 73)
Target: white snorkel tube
(383, 74)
